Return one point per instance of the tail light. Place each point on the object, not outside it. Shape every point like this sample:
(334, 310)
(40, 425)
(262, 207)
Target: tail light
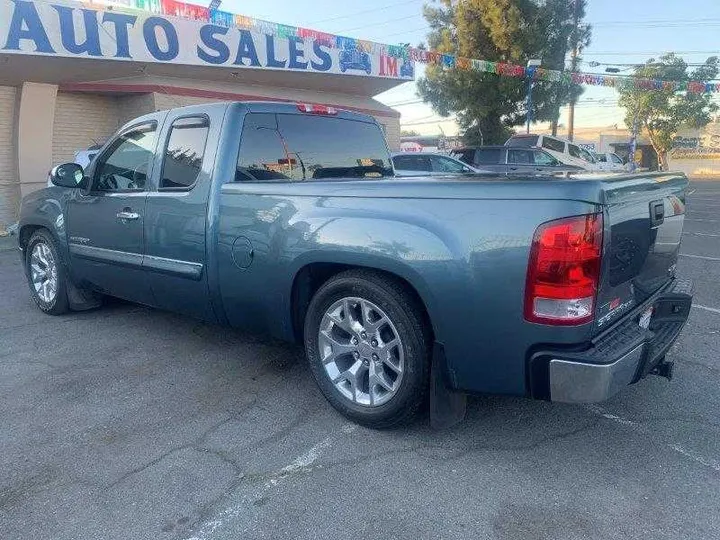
(317, 109)
(564, 271)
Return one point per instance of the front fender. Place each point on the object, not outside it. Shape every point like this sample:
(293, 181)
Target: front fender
(45, 208)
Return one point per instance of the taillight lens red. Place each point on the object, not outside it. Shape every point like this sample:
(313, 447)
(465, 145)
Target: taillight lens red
(564, 271)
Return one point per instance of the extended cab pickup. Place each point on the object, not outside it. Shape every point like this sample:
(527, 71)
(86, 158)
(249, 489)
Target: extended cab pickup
(286, 219)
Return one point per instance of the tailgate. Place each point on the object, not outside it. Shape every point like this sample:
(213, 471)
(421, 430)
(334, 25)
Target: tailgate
(644, 218)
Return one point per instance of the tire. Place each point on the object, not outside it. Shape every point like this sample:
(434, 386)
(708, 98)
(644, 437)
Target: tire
(390, 311)
(41, 251)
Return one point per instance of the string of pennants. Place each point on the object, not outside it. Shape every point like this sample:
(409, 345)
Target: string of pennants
(174, 8)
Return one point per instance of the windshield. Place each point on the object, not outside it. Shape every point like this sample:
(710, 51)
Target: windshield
(587, 156)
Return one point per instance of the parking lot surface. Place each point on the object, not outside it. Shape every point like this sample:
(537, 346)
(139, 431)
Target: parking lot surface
(128, 422)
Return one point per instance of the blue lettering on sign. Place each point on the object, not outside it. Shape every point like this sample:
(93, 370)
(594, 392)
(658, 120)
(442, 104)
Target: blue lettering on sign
(221, 50)
(246, 49)
(91, 45)
(296, 53)
(26, 24)
(271, 60)
(153, 47)
(121, 22)
(325, 59)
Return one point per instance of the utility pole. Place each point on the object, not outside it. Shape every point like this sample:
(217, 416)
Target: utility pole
(573, 65)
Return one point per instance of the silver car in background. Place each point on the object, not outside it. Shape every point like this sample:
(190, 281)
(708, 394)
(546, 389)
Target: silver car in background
(431, 164)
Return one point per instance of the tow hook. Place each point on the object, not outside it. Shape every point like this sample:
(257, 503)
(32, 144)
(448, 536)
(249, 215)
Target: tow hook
(664, 369)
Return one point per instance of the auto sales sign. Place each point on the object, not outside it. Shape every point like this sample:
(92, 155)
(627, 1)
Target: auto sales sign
(72, 30)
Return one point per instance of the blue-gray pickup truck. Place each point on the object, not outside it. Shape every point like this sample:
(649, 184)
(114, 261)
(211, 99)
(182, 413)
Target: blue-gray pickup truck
(287, 220)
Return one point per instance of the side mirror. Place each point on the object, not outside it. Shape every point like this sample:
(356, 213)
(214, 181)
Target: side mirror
(69, 175)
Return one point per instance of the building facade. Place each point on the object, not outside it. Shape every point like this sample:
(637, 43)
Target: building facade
(72, 74)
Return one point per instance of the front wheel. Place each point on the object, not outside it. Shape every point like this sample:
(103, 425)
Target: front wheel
(46, 274)
(368, 346)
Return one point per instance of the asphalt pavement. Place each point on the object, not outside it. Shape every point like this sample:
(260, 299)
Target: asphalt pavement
(132, 423)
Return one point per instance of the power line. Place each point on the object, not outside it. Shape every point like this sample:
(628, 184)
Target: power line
(393, 21)
(365, 11)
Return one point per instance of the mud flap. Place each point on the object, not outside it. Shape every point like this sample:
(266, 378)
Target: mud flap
(447, 407)
(82, 299)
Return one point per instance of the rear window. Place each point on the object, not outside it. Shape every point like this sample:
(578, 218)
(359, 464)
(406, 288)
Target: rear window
(553, 144)
(524, 141)
(488, 156)
(287, 147)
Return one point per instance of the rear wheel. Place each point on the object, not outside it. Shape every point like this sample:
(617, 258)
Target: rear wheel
(369, 347)
(46, 274)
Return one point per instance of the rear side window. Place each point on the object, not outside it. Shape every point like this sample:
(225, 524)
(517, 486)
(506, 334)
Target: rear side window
(412, 163)
(523, 141)
(184, 153)
(488, 156)
(553, 144)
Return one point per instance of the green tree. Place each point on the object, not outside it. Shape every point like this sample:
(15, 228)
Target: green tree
(663, 111)
(513, 31)
(408, 133)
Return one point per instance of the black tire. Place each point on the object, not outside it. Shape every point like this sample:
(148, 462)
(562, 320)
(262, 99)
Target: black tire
(59, 304)
(407, 315)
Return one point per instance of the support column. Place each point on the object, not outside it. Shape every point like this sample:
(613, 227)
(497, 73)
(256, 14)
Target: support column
(36, 116)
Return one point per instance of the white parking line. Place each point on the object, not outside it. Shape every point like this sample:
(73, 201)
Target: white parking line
(692, 191)
(710, 309)
(639, 428)
(701, 234)
(703, 220)
(700, 257)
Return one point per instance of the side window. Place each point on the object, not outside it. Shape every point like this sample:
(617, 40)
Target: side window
(125, 164)
(490, 156)
(443, 164)
(412, 163)
(575, 151)
(545, 159)
(601, 158)
(519, 157)
(184, 153)
(553, 144)
(615, 159)
(263, 155)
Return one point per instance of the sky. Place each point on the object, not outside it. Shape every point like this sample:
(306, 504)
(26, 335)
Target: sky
(623, 32)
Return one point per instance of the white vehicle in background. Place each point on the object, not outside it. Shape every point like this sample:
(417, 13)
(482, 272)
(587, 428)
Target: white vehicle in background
(430, 164)
(563, 150)
(608, 161)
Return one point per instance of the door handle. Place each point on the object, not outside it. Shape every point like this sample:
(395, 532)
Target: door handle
(125, 215)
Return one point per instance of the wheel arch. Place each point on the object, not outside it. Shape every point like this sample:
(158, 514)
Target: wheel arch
(310, 276)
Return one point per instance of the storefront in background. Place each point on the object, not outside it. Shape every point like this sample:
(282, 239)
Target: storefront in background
(70, 76)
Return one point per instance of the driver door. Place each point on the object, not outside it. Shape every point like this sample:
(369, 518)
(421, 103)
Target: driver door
(105, 224)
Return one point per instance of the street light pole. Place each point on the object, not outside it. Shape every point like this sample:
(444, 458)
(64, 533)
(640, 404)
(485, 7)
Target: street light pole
(532, 65)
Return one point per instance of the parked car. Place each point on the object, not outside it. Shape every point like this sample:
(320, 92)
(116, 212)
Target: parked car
(287, 220)
(563, 150)
(513, 161)
(430, 164)
(608, 161)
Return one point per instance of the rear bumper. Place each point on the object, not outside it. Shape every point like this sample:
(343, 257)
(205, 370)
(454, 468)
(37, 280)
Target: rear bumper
(620, 356)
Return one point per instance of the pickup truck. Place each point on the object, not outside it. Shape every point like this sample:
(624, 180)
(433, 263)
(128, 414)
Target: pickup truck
(287, 220)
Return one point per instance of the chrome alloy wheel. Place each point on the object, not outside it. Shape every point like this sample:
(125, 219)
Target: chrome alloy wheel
(44, 272)
(361, 351)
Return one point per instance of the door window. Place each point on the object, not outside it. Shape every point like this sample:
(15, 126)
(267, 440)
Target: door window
(520, 157)
(184, 153)
(412, 163)
(615, 159)
(575, 151)
(488, 156)
(124, 166)
(444, 164)
(601, 158)
(544, 159)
